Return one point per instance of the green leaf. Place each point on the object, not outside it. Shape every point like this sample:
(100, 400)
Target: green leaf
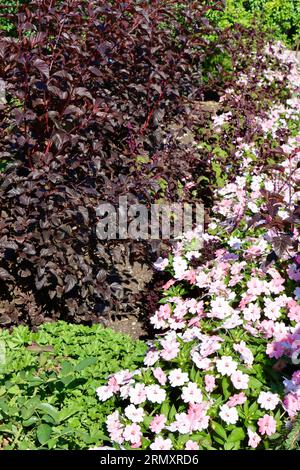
(89, 361)
(43, 433)
(236, 435)
(49, 409)
(219, 430)
(68, 412)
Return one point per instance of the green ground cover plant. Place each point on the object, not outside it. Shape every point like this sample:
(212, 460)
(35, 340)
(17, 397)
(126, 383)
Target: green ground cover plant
(48, 380)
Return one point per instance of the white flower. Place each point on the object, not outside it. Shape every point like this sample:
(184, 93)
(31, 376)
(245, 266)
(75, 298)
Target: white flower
(155, 394)
(161, 444)
(136, 415)
(220, 308)
(191, 394)
(137, 394)
(232, 321)
(161, 263)
(177, 378)
(268, 400)
(226, 365)
(235, 243)
(180, 267)
(229, 414)
(252, 312)
(104, 393)
(239, 380)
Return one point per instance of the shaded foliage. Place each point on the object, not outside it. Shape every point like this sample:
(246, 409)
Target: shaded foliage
(94, 90)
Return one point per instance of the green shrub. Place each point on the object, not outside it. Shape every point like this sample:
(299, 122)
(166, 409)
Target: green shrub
(48, 381)
(280, 18)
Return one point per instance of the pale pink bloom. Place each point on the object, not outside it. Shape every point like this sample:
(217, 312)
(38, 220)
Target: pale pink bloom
(191, 276)
(251, 312)
(113, 421)
(136, 415)
(294, 311)
(168, 284)
(220, 308)
(268, 400)
(177, 378)
(256, 287)
(155, 394)
(124, 390)
(132, 433)
(226, 365)
(137, 394)
(170, 349)
(151, 358)
(276, 285)
(161, 264)
(228, 414)
(104, 393)
(161, 444)
(245, 352)
(239, 380)
(272, 310)
(210, 383)
(254, 439)
(182, 424)
(267, 425)
(180, 267)
(158, 423)
(116, 435)
(191, 445)
(113, 384)
(191, 394)
(237, 399)
(202, 279)
(160, 375)
(291, 403)
(202, 363)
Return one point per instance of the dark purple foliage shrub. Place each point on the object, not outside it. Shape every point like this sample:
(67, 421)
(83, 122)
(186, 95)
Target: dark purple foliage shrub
(97, 93)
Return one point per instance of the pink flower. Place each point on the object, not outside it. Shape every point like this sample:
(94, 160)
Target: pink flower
(160, 375)
(254, 439)
(170, 349)
(294, 311)
(256, 287)
(237, 399)
(267, 425)
(168, 284)
(191, 445)
(151, 358)
(132, 433)
(158, 423)
(210, 383)
(291, 403)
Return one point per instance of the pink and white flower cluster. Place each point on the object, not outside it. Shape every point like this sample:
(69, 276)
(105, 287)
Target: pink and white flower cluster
(224, 322)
